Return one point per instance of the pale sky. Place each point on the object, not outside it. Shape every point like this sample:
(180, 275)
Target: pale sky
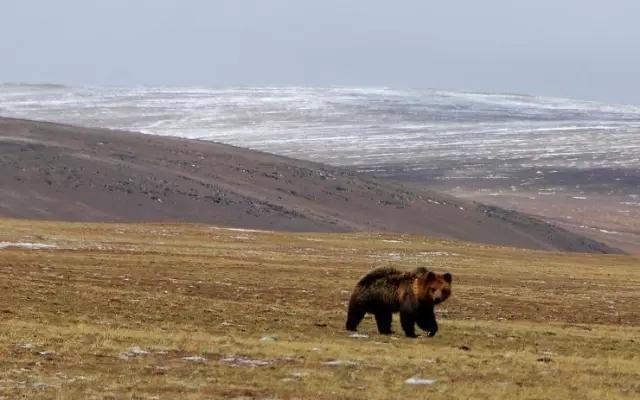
(588, 49)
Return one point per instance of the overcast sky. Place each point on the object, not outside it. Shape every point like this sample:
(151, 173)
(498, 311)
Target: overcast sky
(587, 49)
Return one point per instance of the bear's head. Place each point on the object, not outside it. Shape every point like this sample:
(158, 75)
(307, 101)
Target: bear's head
(432, 288)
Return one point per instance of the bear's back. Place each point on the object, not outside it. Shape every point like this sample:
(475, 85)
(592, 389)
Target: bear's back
(388, 274)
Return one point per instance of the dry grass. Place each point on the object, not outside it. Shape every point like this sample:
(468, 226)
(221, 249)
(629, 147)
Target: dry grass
(520, 324)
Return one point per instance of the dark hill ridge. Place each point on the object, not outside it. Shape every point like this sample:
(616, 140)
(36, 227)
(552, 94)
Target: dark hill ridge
(85, 174)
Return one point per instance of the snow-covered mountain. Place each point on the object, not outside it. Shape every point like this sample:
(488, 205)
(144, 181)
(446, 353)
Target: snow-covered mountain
(355, 126)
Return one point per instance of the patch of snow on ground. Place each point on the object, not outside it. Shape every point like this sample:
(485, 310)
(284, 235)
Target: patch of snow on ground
(242, 361)
(240, 230)
(338, 363)
(438, 253)
(25, 245)
(135, 351)
(195, 359)
(600, 230)
(419, 381)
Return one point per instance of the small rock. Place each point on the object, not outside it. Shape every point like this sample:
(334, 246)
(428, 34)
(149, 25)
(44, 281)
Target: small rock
(545, 359)
(267, 339)
(40, 385)
(358, 335)
(465, 348)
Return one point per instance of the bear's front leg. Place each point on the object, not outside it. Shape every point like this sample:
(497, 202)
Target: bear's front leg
(434, 328)
(408, 324)
(427, 321)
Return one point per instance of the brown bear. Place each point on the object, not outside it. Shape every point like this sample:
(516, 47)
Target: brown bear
(384, 291)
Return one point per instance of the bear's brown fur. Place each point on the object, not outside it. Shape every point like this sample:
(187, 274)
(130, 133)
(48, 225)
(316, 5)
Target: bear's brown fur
(384, 291)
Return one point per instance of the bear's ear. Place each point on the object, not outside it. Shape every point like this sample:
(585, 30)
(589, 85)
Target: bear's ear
(447, 277)
(430, 276)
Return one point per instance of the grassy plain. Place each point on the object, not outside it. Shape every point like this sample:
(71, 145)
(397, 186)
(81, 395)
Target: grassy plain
(163, 311)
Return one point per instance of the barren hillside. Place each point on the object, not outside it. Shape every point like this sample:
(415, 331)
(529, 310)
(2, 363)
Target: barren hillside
(52, 171)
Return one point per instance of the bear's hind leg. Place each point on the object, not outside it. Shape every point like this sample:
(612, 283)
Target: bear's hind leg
(383, 320)
(354, 317)
(408, 324)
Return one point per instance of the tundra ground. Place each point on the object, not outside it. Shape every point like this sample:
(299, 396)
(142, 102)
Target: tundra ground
(161, 311)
